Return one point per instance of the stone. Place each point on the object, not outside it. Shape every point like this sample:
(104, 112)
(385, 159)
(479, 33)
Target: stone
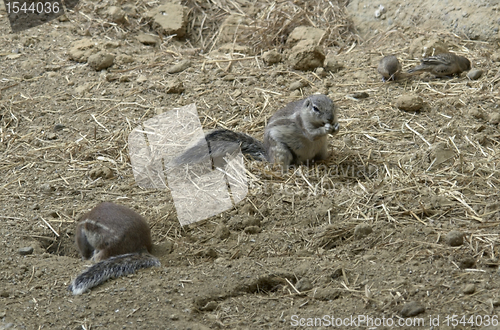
(169, 19)
(117, 15)
(179, 67)
(412, 308)
(148, 39)
(81, 50)
(305, 56)
(474, 74)
(410, 103)
(362, 230)
(24, 251)
(271, 57)
(454, 238)
(101, 61)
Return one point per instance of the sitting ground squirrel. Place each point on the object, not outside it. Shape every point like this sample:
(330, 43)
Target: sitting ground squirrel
(118, 239)
(295, 134)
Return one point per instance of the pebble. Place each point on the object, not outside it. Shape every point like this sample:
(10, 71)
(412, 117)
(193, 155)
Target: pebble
(409, 103)
(454, 238)
(359, 95)
(24, 251)
(494, 118)
(148, 40)
(46, 187)
(304, 284)
(467, 262)
(101, 61)
(469, 289)
(222, 232)
(362, 230)
(252, 230)
(297, 85)
(412, 308)
(474, 74)
(271, 57)
(179, 67)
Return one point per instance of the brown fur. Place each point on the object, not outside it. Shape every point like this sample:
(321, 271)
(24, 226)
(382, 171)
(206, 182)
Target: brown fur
(109, 230)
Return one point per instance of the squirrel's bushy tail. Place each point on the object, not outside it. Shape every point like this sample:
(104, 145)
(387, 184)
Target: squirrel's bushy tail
(220, 143)
(116, 266)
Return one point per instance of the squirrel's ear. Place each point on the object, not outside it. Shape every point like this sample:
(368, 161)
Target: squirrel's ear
(307, 102)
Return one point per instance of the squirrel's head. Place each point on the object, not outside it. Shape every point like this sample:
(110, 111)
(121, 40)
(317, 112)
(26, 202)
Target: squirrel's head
(321, 111)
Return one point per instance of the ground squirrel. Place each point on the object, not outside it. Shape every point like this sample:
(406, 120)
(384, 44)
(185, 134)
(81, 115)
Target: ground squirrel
(294, 135)
(446, 64)
(118, 239)
(389, 67)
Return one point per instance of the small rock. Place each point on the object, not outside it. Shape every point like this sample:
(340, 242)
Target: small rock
(271, 57)
(24, 251)
(81, 50)
(59, 127)
(467, 262)
(412, 308)
(148, 40)
(4, 294)
(331, 64)
(239, 222)
(304, 284)
(321, 72)
(306, 56)
(222, 232)
(297, 85)
(251, 230)
(117, 15)
(63, 18)
(362, 230)
(409, 103)
(101, 61)
(174, 87)
(111, 77)
(469, 289)
(124, 59)
(125, 78)
(209, 252)
(454, 238)
(51, 136)
(179, 67)
(169, 19)
(474, 74)
(47, 188)
(327, 294)
(359, 95)
(101, 172)
(494, 118)
(142, 78)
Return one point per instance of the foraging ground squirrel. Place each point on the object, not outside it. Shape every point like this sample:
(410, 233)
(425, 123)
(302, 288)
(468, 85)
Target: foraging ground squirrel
(294, 135)
(446, 64)
(118, 239)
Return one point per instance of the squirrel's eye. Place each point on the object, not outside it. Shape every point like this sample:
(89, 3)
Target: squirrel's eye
(315, 108)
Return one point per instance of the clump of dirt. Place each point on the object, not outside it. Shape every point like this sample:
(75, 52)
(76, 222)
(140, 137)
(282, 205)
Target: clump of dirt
(364, 233)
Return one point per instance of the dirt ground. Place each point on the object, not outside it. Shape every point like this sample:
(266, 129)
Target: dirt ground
(364, 234)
